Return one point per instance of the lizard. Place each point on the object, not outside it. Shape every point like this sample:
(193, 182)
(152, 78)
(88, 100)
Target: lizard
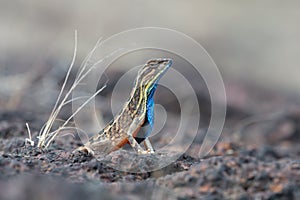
(134, 122)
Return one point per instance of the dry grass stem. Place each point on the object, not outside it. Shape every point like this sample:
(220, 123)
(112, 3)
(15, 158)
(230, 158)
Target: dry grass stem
(46, 135)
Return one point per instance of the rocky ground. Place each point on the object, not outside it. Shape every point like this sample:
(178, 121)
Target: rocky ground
(256, 158)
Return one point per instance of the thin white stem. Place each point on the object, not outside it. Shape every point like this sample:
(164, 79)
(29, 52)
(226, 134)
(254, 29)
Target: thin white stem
(45, 136)
(86, 102)
(29, 139)
(53, 134)
(68, 73)
(88, 57)
(46, 129)
(74, 99)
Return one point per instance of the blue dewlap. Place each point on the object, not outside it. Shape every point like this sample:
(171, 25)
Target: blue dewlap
(146, 128)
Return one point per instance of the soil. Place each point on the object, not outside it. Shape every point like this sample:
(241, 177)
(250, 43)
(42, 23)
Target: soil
(254, 159)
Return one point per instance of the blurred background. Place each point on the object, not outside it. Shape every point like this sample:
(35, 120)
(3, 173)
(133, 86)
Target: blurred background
(254, 42)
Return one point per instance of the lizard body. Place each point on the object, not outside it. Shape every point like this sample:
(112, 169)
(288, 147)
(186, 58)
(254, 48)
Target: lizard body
(134, 122)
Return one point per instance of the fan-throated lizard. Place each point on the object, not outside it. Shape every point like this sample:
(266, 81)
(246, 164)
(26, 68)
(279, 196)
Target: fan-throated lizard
(134, 122)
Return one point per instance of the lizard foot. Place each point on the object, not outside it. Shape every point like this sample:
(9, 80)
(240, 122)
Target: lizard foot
(143, 152)
(84, 149)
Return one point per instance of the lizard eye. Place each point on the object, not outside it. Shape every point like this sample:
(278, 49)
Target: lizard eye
(152, 63)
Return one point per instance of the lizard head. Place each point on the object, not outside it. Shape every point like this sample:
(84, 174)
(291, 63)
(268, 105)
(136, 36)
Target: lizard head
(151, 73)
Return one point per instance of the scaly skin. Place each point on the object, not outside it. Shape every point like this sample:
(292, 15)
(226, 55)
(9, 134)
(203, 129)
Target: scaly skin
(130, 124)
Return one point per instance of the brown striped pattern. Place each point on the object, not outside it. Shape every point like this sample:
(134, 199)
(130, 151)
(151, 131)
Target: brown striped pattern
(115, 133)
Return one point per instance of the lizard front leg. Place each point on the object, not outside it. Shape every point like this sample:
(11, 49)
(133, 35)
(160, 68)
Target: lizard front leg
(148, 145)
(133, 143)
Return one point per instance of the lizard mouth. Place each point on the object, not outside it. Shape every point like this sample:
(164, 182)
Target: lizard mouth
(162, 65)
(167, 62)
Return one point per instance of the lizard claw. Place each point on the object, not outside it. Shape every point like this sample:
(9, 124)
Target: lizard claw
(143, 152)
(84, 149)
